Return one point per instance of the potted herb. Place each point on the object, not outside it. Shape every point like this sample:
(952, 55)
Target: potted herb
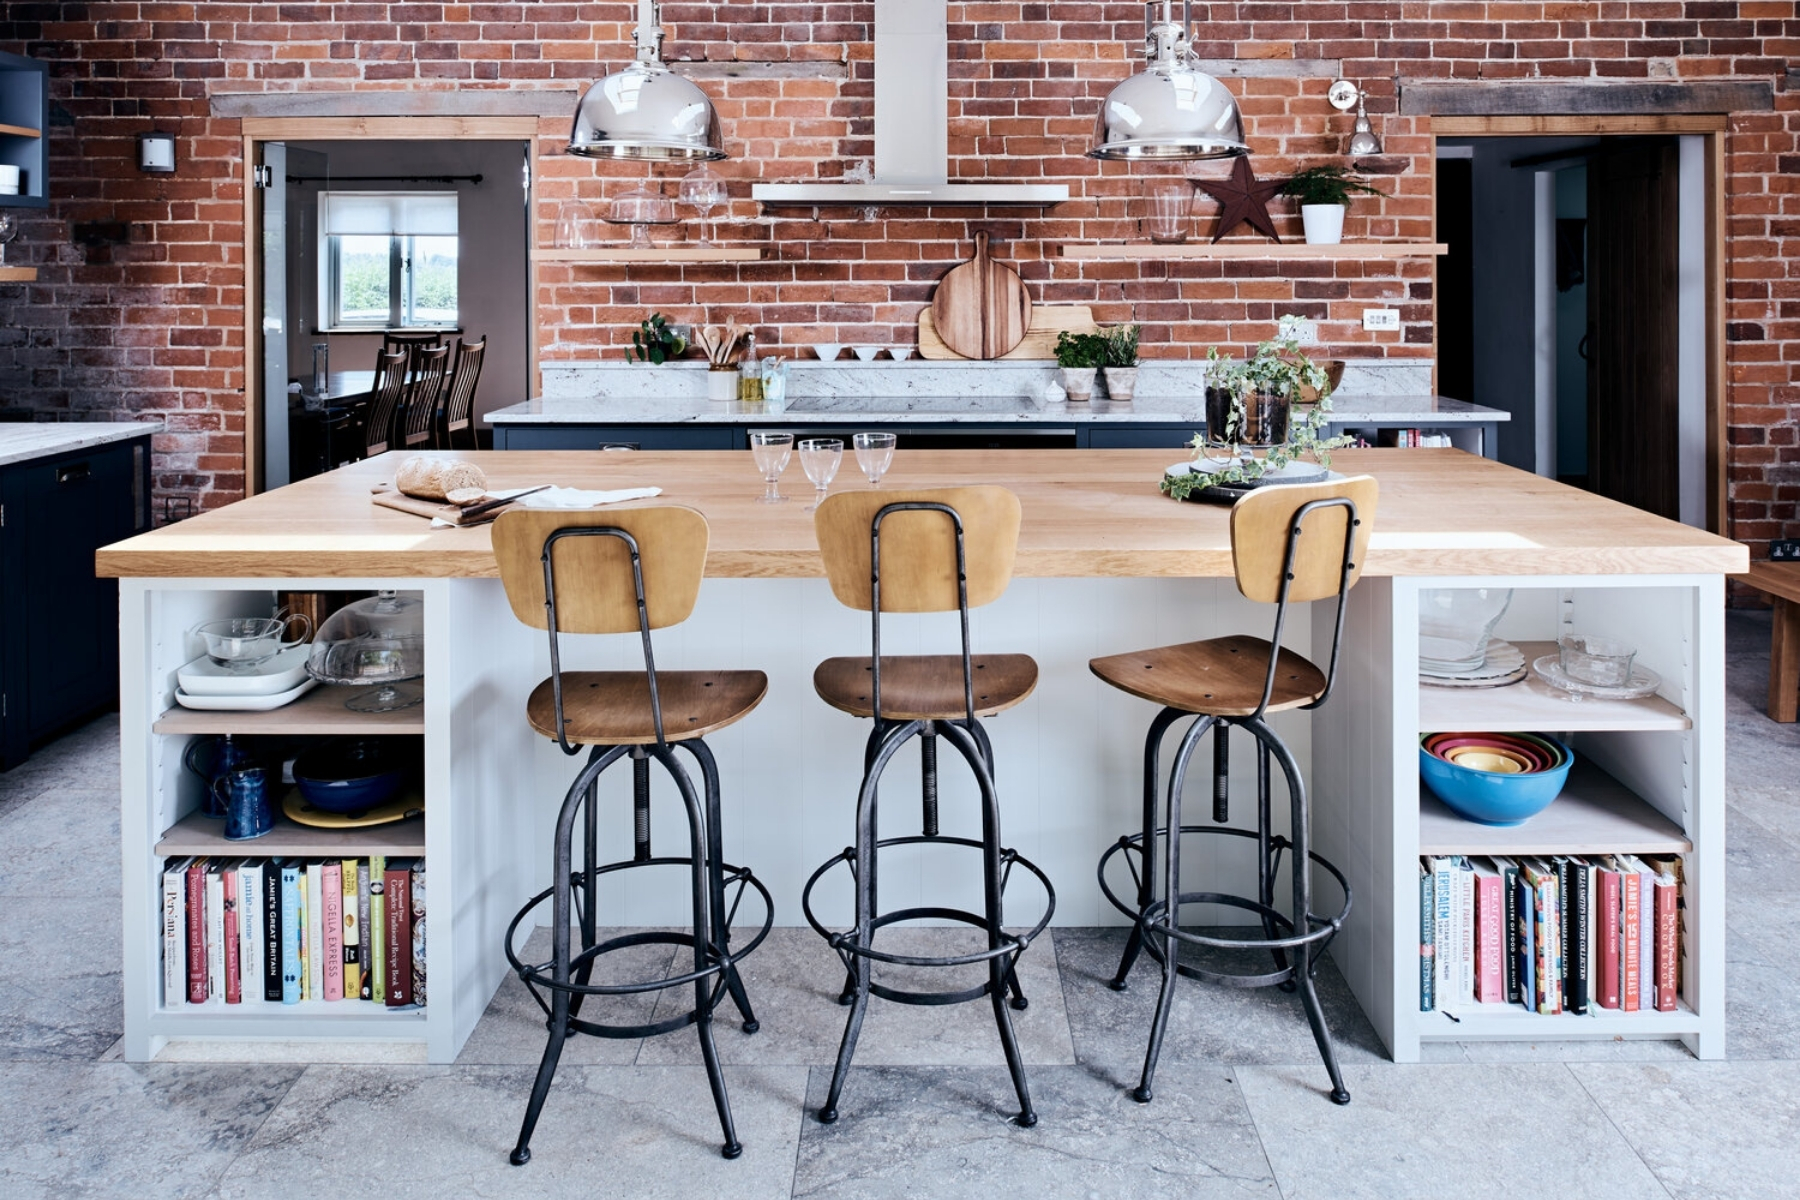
(1120, 360)
(655, 341)
(1079, 355)
(1324, 193)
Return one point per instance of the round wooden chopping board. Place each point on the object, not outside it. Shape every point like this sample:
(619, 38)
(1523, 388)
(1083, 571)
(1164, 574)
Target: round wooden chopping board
(981, 308)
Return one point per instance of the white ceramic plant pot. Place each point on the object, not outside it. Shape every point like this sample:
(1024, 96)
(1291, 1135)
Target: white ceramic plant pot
(722, 385)
(1078, 382)
(1324, 223)
(1121, 382)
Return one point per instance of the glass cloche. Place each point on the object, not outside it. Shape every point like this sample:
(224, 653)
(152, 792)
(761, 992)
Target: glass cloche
(378, 643)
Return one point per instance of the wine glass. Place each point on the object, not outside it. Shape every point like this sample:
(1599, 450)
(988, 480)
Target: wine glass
(819, 458)
(703, 190)
(874, 451)
(771, 452)
(9, 229)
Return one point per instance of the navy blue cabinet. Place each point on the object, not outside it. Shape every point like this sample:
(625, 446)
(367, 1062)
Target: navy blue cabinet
(920, 434)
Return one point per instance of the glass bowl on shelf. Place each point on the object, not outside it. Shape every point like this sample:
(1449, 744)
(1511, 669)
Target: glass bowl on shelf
(641, 208)
(1455, 625)
(376, 644)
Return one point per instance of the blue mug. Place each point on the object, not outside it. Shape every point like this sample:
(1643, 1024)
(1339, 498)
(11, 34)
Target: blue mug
(246, 802)
(212, 759)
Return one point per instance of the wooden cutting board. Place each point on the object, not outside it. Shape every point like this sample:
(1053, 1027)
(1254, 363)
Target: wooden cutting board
(1039, 342)
(981, 307)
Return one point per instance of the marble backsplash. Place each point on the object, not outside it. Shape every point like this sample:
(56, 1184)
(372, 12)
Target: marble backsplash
(850, 379)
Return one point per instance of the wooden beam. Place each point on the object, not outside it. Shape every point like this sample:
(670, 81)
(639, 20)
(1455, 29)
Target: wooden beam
(1648, 98)
(521, 102)
(1575, 125)
(1718, 383)
(399, 129)
(253, 459)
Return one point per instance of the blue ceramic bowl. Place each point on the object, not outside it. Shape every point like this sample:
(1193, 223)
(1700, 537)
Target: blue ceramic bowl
(1490, 798)
(349, 776)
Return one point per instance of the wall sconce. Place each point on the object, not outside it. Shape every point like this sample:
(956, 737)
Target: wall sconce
(156, 152)
(1344, 96)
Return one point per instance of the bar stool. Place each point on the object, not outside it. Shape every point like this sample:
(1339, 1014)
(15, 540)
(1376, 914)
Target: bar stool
(627, 571)
(1288, 544)
(943, 550)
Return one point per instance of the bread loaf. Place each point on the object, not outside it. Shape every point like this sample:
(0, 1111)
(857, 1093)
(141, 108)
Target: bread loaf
(431, 478)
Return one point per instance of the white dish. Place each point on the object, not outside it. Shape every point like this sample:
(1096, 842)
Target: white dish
(1644, 682)
(244, 703)
(1502, 658)
(204, 677)
(902, 353)
(867, 353)
(827, 351)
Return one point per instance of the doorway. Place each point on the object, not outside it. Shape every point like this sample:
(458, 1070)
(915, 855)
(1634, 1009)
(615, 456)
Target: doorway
(1578, 296)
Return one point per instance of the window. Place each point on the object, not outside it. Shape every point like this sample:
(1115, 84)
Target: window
(388, 259)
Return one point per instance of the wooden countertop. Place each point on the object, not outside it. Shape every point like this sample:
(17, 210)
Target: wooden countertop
(1087, 513)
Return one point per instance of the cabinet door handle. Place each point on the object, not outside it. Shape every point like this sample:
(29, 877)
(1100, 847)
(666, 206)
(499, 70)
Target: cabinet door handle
(73, 473)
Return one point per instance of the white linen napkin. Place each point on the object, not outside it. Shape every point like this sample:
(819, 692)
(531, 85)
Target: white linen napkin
(562, 497)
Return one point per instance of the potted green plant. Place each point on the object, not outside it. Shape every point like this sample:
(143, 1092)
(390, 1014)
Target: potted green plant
(1079, 355)
(1120, 361)
(1324, 193)
(655, 341)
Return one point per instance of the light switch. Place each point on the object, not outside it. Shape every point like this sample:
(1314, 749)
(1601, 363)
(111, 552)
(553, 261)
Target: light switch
(1381, 319)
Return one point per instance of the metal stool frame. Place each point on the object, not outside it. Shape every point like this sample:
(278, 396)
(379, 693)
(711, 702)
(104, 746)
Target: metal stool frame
(566, 976)
(856, 946)
(1157, 917)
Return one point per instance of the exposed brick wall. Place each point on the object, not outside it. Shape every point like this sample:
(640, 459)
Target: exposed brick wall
(154, 323)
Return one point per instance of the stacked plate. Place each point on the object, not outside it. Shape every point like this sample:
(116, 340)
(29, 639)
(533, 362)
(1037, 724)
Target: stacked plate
(1503, 664)
(205, 684)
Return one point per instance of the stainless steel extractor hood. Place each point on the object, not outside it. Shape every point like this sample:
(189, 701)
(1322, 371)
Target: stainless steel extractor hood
(912, 125)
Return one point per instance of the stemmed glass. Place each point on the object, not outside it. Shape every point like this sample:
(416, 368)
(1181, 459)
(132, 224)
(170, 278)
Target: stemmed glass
(874, 451)
(703, 190)
(819, 458)
(771, 452)
(9, 229)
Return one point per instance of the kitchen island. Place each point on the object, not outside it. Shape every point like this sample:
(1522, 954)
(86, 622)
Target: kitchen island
(1105, 564)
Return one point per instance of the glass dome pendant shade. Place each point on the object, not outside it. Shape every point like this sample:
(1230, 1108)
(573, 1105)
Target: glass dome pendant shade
(645, 110)
(1171, 110)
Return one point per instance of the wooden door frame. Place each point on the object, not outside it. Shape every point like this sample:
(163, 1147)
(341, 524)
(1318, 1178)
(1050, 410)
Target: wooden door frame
(256, 130)
(1711, 128)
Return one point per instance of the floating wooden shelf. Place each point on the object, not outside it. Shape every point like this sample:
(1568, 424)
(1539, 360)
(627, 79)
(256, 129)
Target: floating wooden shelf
(1532, 704)
(18, 274)
(1596, 814)
(320, 711)
(655, 254)
(19, 131)
(1150, 250)
(195, 834)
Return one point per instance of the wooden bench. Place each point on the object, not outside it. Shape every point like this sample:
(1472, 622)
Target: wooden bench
(1781, 582)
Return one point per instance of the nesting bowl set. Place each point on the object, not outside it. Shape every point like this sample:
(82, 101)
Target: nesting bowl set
(1494, 778)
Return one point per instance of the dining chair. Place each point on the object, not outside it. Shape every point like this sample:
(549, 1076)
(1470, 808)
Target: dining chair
(459, 400)
(383, 411)
(424, 396)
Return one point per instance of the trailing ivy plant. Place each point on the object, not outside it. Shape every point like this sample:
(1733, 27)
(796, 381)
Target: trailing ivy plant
(1279, 365)
(654, 342)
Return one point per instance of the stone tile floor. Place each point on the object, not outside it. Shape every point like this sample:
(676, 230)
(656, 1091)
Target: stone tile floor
(1239, 1104)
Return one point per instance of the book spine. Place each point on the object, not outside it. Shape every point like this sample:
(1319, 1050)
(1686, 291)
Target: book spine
(1465, 985)
(417, 899)
(315, 941)
(378, 928)
(1577, 921)
(1554, 939)
(352, 932)
(1646, 940)
(292, 969)
(229, 947)
(1631, 926)
(1609, 938)
(396, 893)
(174, 916)
(215, 935)
(250, 972)
(1509, 888)
(332, 919)
(273, 922)
(1444, 930)
(1427, 939)
(1527, 897)
(1490, 980)
(196, 932)
(369, 933)
(1548, 930)
(1668, 924)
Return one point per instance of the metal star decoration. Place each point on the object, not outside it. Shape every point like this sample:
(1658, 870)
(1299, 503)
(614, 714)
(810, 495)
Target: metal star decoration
(1242, 198)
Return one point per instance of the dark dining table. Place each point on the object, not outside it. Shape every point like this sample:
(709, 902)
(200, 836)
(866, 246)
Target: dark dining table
(324, 428)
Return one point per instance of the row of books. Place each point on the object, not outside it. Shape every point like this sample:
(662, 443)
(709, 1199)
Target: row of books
(283, 930)
(1555, 935)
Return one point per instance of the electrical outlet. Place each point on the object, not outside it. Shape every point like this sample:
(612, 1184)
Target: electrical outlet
(1306, 332)
(1784, 550)
(1381, 318)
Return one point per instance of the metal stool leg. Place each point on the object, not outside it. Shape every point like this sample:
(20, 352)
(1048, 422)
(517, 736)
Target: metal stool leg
(1268, 859)
(1165, 1001)
(871, 749)
(715, 876)
(1152, 748)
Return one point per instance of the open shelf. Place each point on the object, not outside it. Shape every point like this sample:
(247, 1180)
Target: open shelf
(284, 1016)
(18, 274)
(320, 711)
(655, 254)
(1596, 814)
(1478, 1021)
(19, 131)
(197, 834)
(1532, 704)
(1148, 250)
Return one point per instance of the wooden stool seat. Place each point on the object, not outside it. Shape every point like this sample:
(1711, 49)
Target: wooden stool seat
(612, 708)
(1220, 677)
(926, 687)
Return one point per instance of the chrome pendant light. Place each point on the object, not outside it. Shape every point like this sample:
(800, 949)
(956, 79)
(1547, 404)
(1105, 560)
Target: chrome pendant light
(1171, 110)
(646, 110)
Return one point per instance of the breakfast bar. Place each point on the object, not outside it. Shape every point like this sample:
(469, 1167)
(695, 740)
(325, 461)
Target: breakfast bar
(1105, 563)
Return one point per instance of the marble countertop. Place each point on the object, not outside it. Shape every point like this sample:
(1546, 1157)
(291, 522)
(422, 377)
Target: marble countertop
(24, 441)
(958, 409)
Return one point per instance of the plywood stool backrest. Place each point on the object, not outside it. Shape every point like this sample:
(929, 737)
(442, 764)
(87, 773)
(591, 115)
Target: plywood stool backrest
(918, 549)
(1261, 521)
(594, 589)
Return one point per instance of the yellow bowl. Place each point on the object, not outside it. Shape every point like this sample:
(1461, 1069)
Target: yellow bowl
(1487, 760)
